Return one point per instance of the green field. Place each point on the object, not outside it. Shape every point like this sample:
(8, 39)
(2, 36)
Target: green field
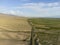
(46, 29)
(46, 23)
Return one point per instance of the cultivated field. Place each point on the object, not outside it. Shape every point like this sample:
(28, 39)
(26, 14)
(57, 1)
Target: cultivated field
(46, 30)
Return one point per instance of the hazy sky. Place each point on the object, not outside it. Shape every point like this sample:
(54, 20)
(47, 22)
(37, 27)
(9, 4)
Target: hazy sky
(31, 8)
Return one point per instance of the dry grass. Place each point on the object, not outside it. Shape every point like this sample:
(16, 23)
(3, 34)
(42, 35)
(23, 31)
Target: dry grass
(11, 25)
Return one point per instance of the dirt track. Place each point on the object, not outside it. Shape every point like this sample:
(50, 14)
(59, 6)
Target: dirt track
(13, 42)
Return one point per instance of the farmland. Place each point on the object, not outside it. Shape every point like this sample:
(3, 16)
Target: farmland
(16, 30)
(49, 23)
(46, 29)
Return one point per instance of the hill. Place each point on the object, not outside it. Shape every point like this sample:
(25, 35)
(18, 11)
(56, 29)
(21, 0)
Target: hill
(14, 27)
(14, 23)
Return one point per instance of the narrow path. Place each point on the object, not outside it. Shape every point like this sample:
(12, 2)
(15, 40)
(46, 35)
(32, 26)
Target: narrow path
(7, 29)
